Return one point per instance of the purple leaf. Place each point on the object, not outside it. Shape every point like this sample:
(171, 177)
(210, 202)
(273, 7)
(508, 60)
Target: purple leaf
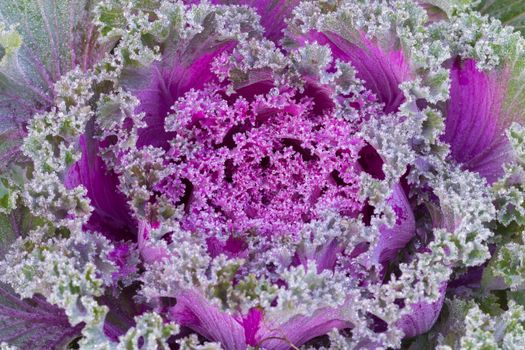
(422, 316)
(381, 70)
(111, 214)
(475, 122)
(393, 239)
(33, 323)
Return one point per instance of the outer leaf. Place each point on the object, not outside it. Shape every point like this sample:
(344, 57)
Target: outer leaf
(510, 12)
(447, 6)
(33, 323)
(422, 316)
(195, 312)
(56, 36)
(111, 215)
(29, 323)
(475, 121)
(40, 40)
(273, 14)
(9, 142)
(381, 70)
(14, 225)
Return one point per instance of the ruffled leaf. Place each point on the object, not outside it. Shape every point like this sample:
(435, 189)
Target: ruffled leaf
(150, 332)
(28, 323)
(273, 14)
(438, 9)
(381, 70)
(509, 12)
(53, 37)
(169, 81)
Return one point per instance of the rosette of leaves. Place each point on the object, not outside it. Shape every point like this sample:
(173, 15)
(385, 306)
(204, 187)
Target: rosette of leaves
(260, 174)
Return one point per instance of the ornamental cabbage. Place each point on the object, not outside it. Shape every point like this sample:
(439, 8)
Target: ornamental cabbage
(262, 174)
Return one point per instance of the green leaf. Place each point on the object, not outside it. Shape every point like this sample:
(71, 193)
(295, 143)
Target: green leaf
(40, 41)
(15, 224)
(510, 12)
(447, 6)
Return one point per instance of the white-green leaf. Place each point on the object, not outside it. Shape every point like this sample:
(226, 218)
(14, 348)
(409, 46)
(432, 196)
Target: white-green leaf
(510, 12)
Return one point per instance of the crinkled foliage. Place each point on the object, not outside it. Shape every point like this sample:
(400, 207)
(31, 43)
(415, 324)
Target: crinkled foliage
(262, 174)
